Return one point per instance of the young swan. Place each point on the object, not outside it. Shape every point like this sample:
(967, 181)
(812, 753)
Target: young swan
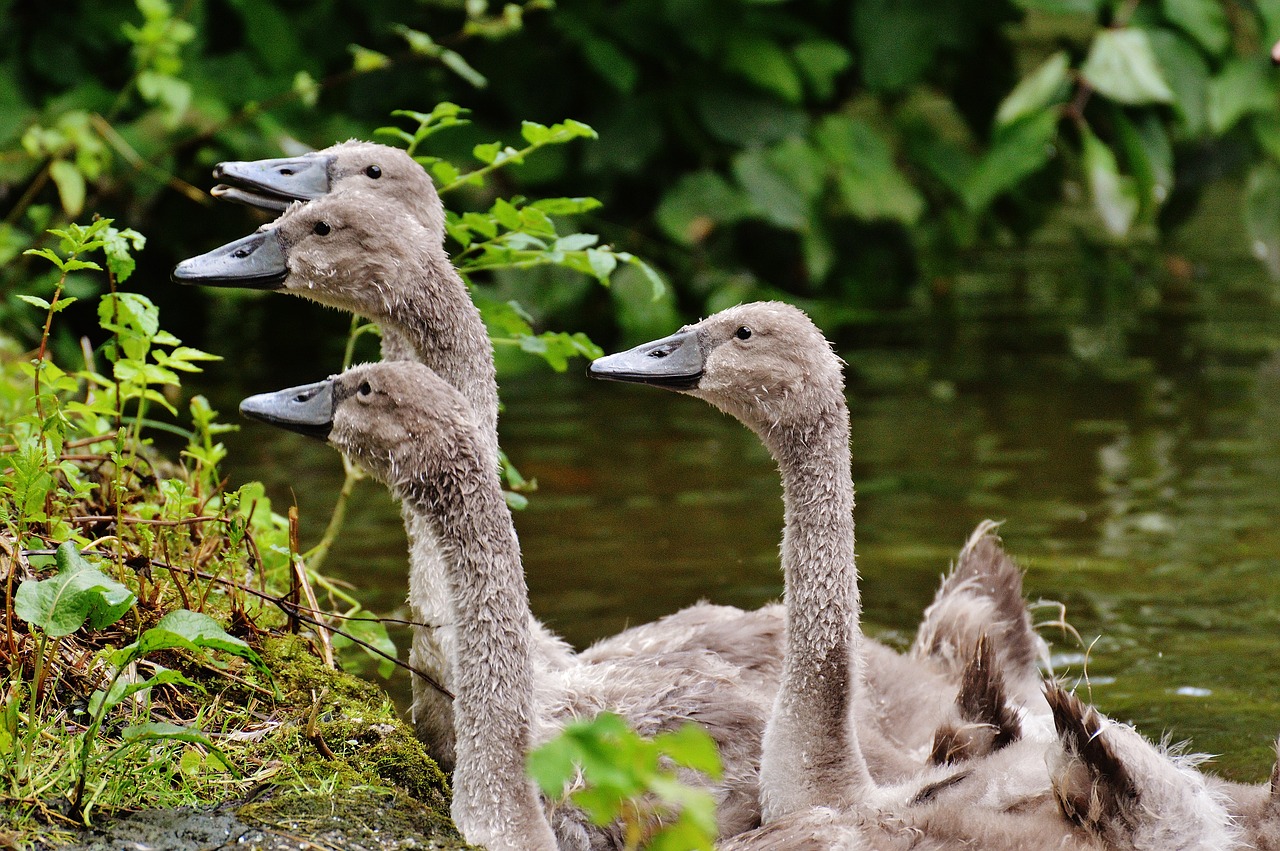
(414, 432)
(770, 367)
(357, 248)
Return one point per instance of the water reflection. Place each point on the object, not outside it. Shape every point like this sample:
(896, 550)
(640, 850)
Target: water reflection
(1138, 480)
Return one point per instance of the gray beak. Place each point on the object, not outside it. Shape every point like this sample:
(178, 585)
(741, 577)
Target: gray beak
(673, 362)
(256, 262)
(273, 184)
(307, 409)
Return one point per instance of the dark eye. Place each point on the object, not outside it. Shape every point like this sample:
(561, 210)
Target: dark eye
(321, 229)
(373, 171)
(742, 333)
(364, 390)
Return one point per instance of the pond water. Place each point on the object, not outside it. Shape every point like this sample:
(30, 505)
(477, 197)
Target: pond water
(1134, 458)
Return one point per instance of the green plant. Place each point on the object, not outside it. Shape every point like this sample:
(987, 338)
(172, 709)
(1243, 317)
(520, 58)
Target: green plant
(614, 774)
(58, 607)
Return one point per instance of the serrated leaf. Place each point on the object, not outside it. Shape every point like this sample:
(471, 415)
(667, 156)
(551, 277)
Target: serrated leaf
(1046, 85)
(35, 301)
(1122, 66)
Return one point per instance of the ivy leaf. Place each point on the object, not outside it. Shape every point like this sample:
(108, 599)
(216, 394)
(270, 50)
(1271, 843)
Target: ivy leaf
(1046, 85)
(1122, 66)
(1115, 196)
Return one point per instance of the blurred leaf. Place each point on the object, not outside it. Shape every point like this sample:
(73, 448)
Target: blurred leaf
(1017, 151)
(745, 121)
(821, 62)
(70, 183)
(869, 182)
(1187, 73)
(363, 59)
(697, 204)
(1115, 196)
(1061, 7)
(762, 61)
(1149, 153)
(1204, 20)
(896, 42)
(1046, 85)
(774, 196)
(1241, 88)
(1122, 66)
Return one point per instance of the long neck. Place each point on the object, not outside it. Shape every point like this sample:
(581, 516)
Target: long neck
(494, 804)
(428, 316)
(811, 754)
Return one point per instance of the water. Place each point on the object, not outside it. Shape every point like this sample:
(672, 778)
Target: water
(1133, 457)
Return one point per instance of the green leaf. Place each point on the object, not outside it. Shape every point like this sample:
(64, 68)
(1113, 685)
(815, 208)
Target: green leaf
(774, 195)
(1019, 150)
(897, 42)
(1061, 7)
(70, 183)
(455, 63)
(1149, 153)
(61, 604)
(1122, 66)
(692, 747)
(565, 206)
(1046, 85)
(821, 62)
(575, 242)
(35, 301)
(121, 690)
(762, 61)
(1188, 76)
(1115, 196)
(697, 204)
(869, 182)
(1203, 20)
(1241, 88)
(363, 59)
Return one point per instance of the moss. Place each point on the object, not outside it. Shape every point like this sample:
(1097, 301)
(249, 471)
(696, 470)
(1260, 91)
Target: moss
(356, 819)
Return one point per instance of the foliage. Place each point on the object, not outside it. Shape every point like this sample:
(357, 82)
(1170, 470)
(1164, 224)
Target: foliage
(614, 774)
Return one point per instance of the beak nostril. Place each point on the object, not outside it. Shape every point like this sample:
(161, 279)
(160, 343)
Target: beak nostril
(659, 353)
(286, 171)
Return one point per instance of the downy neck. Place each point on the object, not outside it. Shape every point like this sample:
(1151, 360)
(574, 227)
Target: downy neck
(494, 804)
(811, 753)
(429, 317)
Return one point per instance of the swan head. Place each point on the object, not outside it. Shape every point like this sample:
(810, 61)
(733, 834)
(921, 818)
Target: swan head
(273, 184)
(348, 250)
(395, 419)
(764, 362)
